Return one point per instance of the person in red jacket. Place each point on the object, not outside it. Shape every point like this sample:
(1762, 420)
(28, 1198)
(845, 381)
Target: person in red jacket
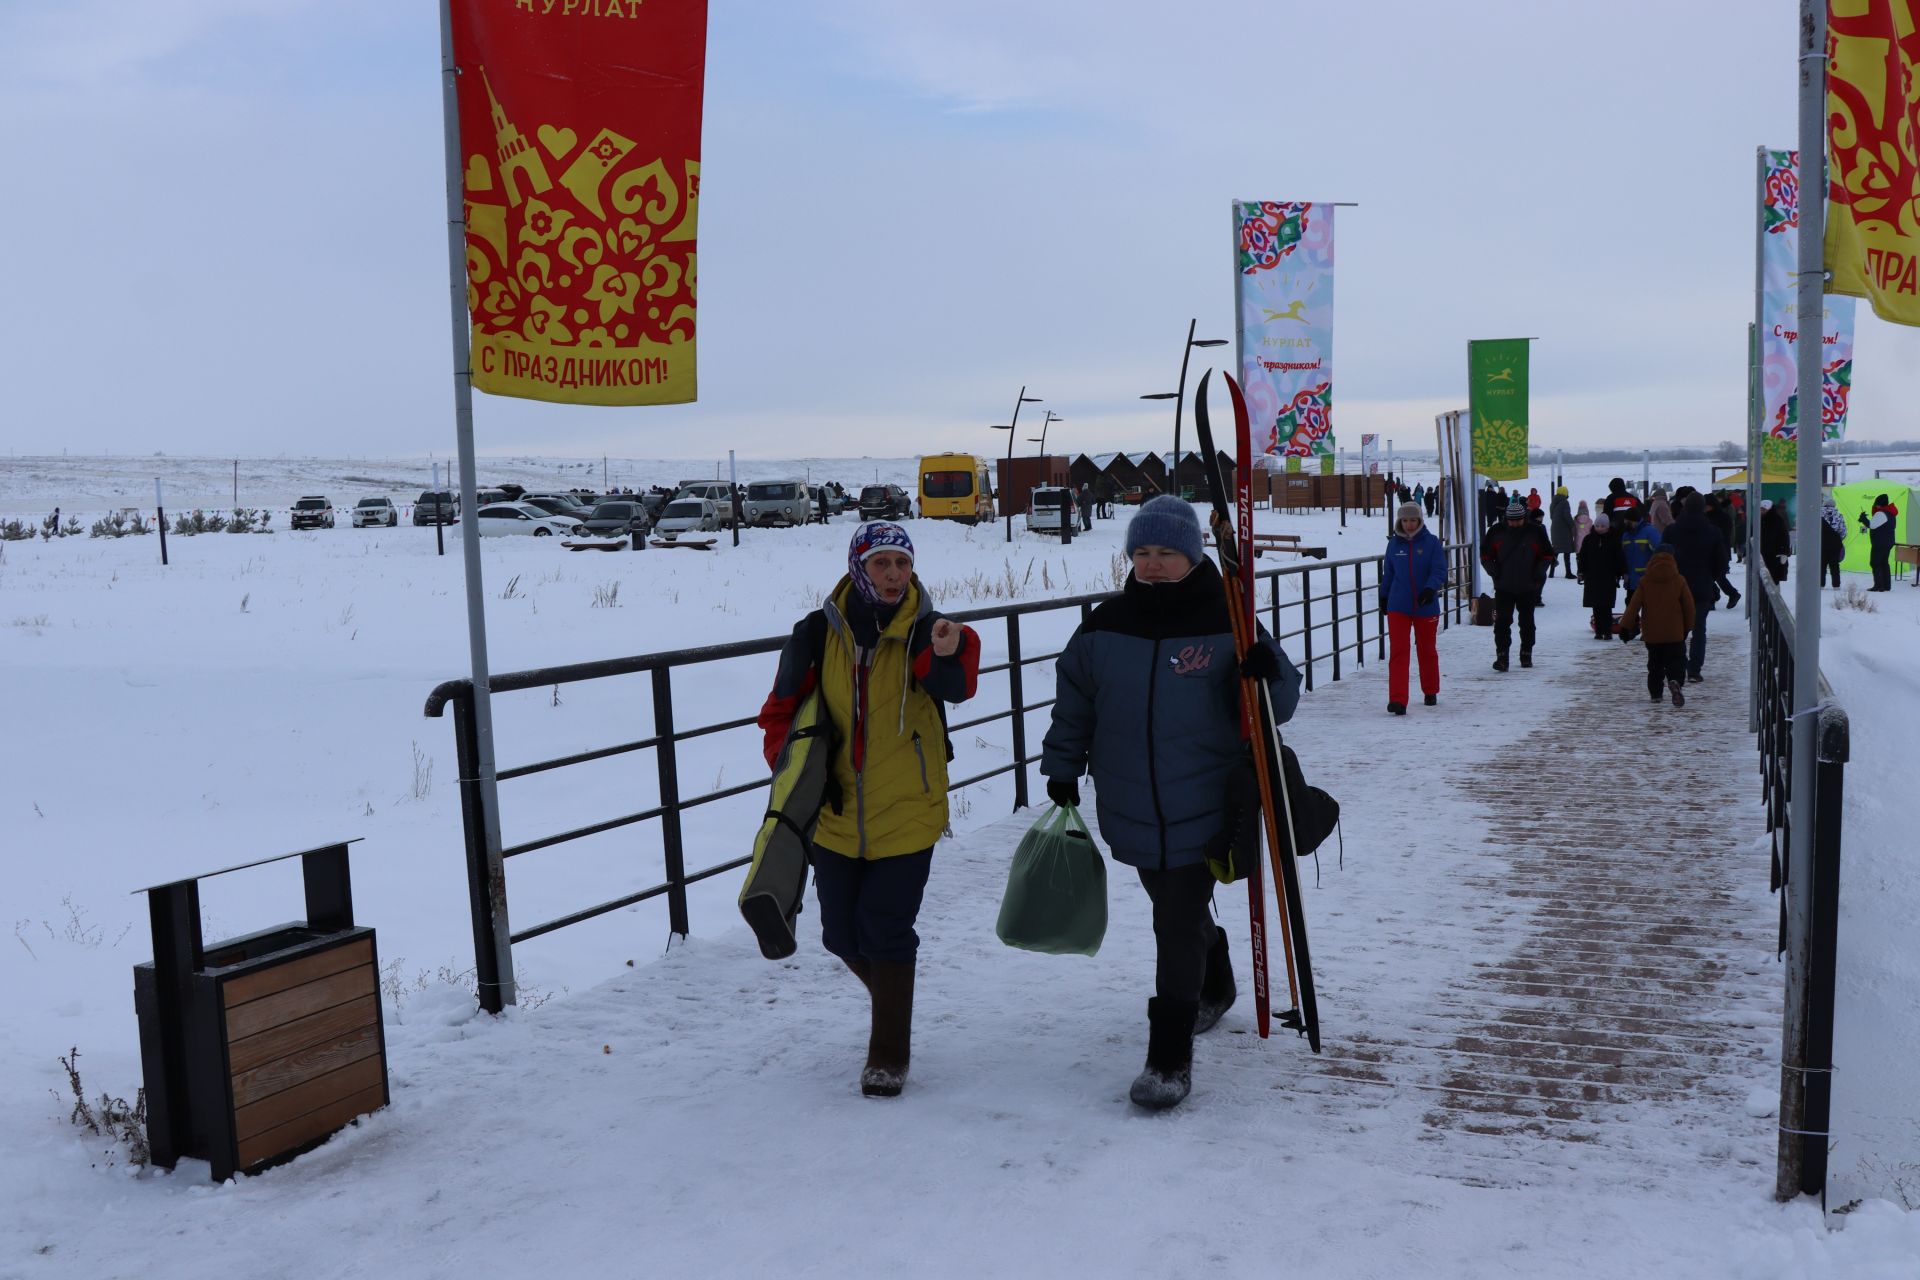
(1880, 531)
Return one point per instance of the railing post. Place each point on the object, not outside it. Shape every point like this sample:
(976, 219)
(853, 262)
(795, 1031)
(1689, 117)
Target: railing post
(486, 960)
(1333, 602)
(1017, 704)
(1306, 620)
(1822, 962)
(1273, 606)
(667, 759)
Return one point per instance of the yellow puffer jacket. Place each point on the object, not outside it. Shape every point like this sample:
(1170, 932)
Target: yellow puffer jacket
(896, 802)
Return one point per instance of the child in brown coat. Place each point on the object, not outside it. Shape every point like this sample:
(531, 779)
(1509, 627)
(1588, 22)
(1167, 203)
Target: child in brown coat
(1662, 607)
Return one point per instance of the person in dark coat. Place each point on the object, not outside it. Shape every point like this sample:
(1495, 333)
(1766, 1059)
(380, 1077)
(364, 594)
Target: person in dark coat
(1722, 519)
(1516, 556)
(1776, 541)
(1560, 529)
(1412, 575)
(1663, 608)
(1833, 541)
(1600, 570)
(1619, 503)
(1701, 556)
(1880, 527)
(1147, 702)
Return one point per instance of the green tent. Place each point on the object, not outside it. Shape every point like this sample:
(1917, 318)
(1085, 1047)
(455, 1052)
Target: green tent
(1856, 499)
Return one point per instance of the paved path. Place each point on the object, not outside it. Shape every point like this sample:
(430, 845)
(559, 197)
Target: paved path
(1610, 983)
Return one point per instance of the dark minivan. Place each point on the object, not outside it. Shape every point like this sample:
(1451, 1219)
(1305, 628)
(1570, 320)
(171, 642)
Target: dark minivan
(436, 508)
(618, 519)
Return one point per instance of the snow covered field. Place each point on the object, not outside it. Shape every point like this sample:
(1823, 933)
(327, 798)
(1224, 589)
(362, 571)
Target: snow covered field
(263, 694)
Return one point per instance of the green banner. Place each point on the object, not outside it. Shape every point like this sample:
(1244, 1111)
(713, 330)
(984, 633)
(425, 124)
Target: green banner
(1497, 396)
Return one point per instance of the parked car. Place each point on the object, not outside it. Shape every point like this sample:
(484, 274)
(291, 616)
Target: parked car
(559, 504)
(1046, 506)
(375, 511)
(777, 502)
(618, 517)
(718, 492)
(687, 515)
(311, 513)
(436, 507)
(519, 517)
(885, 502)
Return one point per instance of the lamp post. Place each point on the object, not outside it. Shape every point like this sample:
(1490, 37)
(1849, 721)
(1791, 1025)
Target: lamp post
(1041, 439)
(1008, 427)
(1179, 396)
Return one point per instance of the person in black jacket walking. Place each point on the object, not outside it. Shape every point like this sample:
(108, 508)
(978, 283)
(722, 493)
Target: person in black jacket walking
(1776, 540)
(1701, 555)
(1516, 556)
(1600, 570)
(1147, 701)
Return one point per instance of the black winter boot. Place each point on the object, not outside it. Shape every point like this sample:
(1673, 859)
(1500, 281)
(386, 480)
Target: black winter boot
(1168, 1076)
(1526, 657)
(891, 1044)
(1217, 992)
(1500, 661)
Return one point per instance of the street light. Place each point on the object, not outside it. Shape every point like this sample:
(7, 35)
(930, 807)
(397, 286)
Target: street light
(1179, 397)
(1009, 427)
(1041, 439)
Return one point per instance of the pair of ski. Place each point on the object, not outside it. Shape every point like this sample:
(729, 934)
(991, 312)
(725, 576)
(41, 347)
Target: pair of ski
(1262, 733)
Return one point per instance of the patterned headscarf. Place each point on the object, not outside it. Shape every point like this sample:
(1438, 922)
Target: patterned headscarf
(870, 538)
(1831, 515)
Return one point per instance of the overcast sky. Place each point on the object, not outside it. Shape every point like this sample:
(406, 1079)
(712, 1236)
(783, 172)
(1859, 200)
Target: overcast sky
(225, 224)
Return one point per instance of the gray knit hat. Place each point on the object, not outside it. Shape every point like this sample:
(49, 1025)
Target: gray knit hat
(1517, 509)
(1166, 521)
(1409, 511)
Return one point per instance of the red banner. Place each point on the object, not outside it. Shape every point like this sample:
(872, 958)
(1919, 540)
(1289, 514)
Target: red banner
(1873, 130)
(580, 137)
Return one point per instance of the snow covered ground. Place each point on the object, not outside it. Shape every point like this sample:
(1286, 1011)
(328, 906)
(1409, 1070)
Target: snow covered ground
(263, 694)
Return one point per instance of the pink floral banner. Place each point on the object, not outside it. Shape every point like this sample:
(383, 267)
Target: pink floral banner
(1284, 327)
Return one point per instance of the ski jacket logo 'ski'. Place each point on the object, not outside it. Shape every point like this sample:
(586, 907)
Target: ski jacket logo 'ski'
(1195, 657)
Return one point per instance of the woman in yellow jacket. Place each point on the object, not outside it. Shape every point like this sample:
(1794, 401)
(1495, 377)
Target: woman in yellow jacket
(885, 664)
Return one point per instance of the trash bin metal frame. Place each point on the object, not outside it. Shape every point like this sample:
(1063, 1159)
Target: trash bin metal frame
(257, 1048)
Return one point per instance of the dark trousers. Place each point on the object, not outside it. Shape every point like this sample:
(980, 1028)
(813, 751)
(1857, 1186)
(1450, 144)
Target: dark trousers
(868, 906)
(1697, 642)
(1505, 605)
(1882, 568)
(1603, 620)
(1183, 929)
(1831, 569)
(1665, 662)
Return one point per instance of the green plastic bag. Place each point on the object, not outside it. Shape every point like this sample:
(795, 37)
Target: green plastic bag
(1056, 899)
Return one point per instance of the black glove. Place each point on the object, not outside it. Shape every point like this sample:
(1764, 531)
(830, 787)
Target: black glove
(1626, 637)
(1426, 596)
(1259, 664)
(1064, 792)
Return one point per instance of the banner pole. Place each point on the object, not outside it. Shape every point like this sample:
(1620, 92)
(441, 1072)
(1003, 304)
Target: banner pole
(487, 782)
(1756, 414)
(1802, 1155)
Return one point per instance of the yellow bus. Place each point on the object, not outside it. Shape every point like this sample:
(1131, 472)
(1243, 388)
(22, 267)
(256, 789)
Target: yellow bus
(955, 486)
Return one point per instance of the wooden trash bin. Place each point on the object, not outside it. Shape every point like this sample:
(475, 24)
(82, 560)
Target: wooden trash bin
(260, 1047)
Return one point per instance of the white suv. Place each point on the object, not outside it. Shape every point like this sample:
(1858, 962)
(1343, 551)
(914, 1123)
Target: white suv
(718, 492)
(375, 511)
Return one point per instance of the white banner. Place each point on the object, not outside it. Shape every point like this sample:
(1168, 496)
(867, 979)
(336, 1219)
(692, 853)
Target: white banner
(1284, 327)
(1370, 455)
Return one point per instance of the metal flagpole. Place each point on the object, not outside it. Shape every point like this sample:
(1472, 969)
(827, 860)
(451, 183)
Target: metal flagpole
(487, 781)
(1798, 1148)
(1756, 412)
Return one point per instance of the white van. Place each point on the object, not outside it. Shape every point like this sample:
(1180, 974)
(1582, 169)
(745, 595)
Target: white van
(1048, 504)
(771, 502)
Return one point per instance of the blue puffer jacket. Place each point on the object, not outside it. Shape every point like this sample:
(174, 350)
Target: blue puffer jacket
(1413, 565)
(1636, 549)
(1147, 700)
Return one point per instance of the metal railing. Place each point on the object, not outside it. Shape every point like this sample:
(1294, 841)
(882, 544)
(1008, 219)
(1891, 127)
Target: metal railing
(1806, 1055)
(1334, 640)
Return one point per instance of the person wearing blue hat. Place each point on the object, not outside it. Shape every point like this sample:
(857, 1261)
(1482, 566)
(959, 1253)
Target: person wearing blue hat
(1147, 703)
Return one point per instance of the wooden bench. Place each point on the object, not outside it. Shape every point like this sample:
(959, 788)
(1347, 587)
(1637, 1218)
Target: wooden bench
(1265, 542)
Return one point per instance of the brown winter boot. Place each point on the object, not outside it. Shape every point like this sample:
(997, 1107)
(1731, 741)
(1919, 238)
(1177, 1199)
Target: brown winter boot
(891, 1043)
(861, 969)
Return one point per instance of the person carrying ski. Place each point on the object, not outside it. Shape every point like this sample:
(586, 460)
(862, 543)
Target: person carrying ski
(1412, 575)
(1880, 527)
(1560, 530)
(884, 661)
(1600, 570)
(1833, 540)
(1662, 611)
(1147, 702)
(1637, 545)
(1776, 540)
(1701, 557)
(1516, 556)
